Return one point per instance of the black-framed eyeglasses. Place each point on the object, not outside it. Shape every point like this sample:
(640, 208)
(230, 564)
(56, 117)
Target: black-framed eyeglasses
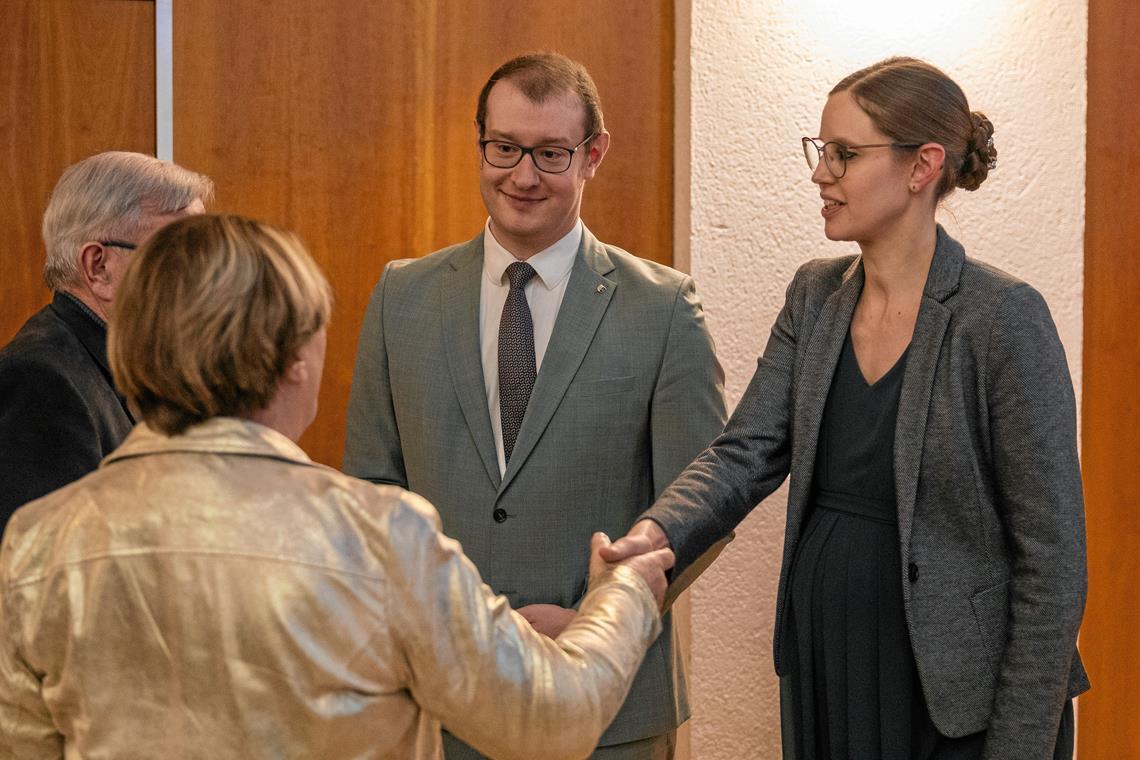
(118, 244)
(836, 154)
(552, 159)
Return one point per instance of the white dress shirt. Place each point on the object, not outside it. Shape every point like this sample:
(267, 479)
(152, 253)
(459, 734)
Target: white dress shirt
(544, 296)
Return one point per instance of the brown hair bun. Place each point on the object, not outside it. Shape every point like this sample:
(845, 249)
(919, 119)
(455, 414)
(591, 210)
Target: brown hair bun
(981, 155)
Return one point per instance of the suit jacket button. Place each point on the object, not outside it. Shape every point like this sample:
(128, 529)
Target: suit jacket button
(912, 572)
(500, 515)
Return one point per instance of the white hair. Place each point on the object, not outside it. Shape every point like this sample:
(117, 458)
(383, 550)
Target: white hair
(110, 195)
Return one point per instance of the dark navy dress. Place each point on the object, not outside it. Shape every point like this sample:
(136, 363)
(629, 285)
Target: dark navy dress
(852, 690)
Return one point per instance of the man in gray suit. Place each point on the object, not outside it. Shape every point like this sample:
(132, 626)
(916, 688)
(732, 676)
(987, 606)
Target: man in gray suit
(536, 384)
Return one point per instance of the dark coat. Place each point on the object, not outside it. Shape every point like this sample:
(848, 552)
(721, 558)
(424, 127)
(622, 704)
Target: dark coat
(991, 517)
(59, 412)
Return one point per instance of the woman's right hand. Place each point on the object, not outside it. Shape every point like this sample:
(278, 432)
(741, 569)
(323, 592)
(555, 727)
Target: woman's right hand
(638, 552)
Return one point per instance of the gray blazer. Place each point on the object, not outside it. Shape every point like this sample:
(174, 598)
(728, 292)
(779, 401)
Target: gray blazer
(629, 392)
(991, 519)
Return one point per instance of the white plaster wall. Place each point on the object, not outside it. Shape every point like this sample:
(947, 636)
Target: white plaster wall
(760, 71)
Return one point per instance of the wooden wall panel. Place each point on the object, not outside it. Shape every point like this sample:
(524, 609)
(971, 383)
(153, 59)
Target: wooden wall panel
(1109, 716)
(353, 123)
(76, 78)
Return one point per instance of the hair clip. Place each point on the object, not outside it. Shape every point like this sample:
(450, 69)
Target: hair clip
(992, 163)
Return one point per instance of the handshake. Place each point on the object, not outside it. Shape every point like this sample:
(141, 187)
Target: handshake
(645, 549)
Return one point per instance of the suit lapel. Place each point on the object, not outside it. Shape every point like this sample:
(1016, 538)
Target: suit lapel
(918, 380)
(822, 355)
(460, 308)
(914, 403)
(588, 294)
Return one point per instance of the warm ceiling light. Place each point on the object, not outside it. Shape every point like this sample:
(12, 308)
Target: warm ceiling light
(862, 31)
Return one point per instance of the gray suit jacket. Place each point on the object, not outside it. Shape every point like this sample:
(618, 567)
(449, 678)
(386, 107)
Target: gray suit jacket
(629, 392)
(991, 518)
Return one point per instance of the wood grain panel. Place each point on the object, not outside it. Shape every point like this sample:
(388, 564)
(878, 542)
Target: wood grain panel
(353, 123)
(1108, 723)
(76, 78)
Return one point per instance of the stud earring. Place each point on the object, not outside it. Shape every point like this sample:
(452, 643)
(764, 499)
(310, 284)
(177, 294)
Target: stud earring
(914, 188)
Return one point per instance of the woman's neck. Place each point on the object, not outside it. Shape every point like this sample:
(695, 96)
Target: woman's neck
(896, 265)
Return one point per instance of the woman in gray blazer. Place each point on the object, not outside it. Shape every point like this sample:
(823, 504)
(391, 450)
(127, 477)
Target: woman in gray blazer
(933, 574)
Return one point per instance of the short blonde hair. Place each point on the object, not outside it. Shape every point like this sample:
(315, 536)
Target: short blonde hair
(209, 315)
(109, 195)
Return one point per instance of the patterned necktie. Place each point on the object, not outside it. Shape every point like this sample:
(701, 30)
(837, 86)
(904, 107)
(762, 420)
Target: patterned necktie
(516, 356)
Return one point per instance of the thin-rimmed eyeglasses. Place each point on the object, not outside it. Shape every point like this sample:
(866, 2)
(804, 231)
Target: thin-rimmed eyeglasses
(836, 154)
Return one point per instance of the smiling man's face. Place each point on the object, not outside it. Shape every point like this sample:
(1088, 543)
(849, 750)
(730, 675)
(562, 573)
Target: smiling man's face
(530, 209)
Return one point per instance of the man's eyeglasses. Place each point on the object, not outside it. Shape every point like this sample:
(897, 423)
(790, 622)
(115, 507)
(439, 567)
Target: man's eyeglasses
(118, 244)
(836, 154)
(552, 159)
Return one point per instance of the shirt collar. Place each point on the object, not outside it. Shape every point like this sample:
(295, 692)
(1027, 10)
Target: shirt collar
(551, 264)
(217, 435)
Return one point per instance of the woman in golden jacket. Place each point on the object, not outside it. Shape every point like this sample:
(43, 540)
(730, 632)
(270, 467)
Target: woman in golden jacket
(212, 592)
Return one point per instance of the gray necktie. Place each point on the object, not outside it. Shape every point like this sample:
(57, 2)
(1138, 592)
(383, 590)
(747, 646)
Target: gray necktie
(516, 356)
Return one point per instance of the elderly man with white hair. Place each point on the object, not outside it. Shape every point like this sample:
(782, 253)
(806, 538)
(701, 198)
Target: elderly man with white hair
(59, 412)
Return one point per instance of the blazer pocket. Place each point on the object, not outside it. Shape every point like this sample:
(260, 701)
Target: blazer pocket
(604, 387)
(991, 609)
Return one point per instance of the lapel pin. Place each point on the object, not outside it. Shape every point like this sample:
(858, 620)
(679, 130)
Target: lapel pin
(601, 289)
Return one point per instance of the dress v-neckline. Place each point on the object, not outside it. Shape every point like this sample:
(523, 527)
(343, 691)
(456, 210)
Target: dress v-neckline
(849, 345)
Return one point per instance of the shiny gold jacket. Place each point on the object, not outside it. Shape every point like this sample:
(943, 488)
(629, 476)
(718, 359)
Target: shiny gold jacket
(218, 595)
